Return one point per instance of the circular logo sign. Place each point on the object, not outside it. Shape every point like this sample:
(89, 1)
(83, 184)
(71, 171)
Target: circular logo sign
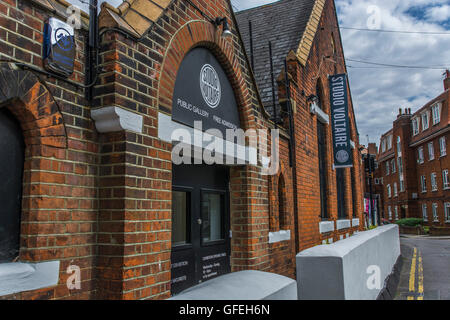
(63, 39)
(342, 156)
(210, 86)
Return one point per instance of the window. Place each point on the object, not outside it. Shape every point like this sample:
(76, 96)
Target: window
(423, 183)
(394, 169)
(434, 186)
(341, 187)
(390, 213)
(387, 168)
(383, 145)
(396, 213)
(282, 215)
(389, 142)
(424, 212)
(431, 151)
(425, 120)
(447, 211)
(389, 190)
(443, 146)
(11, 171)
(321, 137)
(402, 185)
(212, 209)
(377, 181)
(435, 213)
(445, 179)
(395, 189)
(180, 218)
(420, 154)
(399, 146)
(415, 125)
(436, 110)
(400, 165)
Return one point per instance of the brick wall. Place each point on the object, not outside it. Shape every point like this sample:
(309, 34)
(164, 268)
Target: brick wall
(304, 84)
(103, 201)
(60, 185)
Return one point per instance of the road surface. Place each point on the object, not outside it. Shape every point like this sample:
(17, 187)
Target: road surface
(425, 273)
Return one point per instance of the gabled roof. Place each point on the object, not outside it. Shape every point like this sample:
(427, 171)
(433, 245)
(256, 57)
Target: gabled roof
(134, 16)
(290, 25)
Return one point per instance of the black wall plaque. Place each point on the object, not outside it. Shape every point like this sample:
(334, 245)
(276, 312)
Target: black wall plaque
(59, 47)
(203, 93)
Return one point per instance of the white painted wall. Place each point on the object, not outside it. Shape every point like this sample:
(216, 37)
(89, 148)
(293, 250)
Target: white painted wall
(339, 271)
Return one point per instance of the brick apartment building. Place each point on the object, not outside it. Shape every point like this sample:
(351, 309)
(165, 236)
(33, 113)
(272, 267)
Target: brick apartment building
(413, 165)
(373, 186)
(92, 186)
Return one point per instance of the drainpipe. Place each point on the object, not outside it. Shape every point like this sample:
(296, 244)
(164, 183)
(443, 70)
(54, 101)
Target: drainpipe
(292, 154)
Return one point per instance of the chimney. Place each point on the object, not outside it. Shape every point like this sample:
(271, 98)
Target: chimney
(447, 80)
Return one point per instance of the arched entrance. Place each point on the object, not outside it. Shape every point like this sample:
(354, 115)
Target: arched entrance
(204, 99)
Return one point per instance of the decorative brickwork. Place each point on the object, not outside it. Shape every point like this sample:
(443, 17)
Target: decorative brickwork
(103, 202)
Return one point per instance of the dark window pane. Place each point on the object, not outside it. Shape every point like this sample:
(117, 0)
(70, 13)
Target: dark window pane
(11, 170)
(212, 206)
(180, 209)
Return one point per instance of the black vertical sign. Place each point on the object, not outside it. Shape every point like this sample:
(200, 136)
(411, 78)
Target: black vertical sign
(343, 156)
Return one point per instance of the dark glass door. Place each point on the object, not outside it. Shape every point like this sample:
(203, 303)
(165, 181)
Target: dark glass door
(200, 225)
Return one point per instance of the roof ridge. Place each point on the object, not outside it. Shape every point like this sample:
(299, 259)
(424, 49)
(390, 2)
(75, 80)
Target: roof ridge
(262, 6)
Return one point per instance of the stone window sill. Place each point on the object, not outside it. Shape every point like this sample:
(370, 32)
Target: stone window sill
(17, 276)
(343, 224)
(279, 236)
(326, 226)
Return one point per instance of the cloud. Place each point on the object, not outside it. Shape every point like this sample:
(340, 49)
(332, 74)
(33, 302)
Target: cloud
(438, 13)
(84, 4)
(379, 92)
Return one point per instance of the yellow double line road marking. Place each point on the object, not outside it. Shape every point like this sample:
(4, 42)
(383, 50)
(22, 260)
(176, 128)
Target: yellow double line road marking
(417, 257)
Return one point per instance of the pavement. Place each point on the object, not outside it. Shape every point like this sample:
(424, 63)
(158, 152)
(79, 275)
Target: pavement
(425, 273)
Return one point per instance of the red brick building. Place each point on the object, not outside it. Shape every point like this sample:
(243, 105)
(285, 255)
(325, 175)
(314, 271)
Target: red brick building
(413, 163)
(100, 193)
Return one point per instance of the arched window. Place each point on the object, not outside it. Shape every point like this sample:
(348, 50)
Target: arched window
(11, 172)
(322, 154)
(282, 214)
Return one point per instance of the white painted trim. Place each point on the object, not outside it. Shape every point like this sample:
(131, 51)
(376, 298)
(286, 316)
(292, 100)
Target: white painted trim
(17, 277)
(282, 235)
(326, 226)
(343, 224)
(113, 119)
(355, 222)
(250, 155)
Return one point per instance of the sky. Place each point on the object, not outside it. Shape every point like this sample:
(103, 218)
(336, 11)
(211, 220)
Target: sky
(378, 92)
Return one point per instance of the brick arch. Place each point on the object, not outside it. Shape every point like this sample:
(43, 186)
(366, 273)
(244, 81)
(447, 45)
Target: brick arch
(44, 133)
(275, 222)
(33, 106)
(200, 33)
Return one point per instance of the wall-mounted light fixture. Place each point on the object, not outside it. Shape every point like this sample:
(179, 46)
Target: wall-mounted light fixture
(314, 108)
(226, 33)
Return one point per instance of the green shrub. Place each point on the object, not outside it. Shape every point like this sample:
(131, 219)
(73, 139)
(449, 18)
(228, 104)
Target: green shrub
(372, 227)
(410, 222)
